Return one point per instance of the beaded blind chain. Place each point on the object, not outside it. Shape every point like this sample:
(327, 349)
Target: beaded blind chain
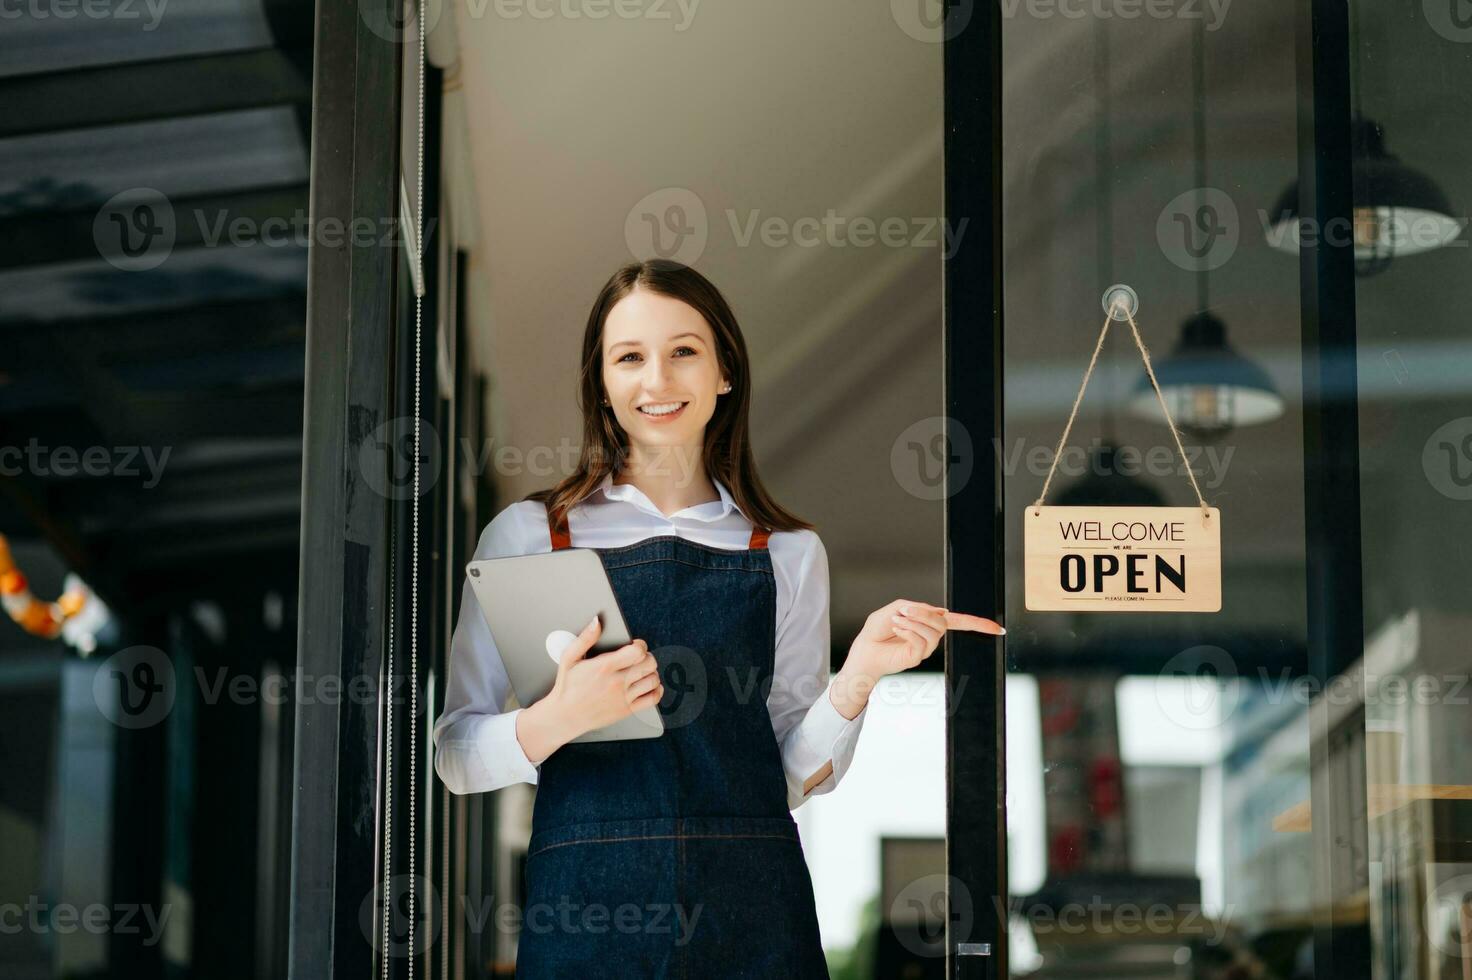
(417, 258)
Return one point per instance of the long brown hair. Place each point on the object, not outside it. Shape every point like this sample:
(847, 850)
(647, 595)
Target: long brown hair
(727, 448)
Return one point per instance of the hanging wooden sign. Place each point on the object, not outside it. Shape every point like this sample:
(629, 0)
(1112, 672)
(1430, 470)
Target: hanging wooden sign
(1121, 559)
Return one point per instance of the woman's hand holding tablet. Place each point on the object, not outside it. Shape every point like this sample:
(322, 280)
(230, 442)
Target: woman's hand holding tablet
(608, 687)
(589, 693)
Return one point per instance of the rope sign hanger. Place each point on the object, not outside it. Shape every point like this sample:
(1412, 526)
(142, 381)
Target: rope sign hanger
(1122, 559)
(1121, 303)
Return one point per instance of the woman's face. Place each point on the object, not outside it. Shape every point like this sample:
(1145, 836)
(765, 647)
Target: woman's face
(660, 370)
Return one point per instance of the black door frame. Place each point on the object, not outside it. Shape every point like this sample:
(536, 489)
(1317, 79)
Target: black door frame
(345, 520)
(1331, 485)
(976, 759)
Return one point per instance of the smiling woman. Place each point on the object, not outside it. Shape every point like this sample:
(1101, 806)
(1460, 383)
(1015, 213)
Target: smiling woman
(726, 593)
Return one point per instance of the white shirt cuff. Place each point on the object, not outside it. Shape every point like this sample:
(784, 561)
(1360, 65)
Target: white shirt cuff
(824, 728)
(501, 755)
(823, 746)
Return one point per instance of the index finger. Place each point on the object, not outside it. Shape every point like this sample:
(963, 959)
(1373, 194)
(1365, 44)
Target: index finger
(625, 656)
(975, 624)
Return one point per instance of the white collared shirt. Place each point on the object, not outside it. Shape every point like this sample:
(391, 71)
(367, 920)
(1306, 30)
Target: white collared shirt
(476, 749)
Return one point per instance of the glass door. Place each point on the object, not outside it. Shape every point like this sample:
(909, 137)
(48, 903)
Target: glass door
(1280, 789)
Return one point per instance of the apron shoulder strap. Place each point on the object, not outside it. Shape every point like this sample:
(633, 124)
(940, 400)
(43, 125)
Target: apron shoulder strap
(759, 536)
(561, 537)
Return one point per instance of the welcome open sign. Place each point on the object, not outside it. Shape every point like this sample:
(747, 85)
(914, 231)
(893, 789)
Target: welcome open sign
(1122, 559)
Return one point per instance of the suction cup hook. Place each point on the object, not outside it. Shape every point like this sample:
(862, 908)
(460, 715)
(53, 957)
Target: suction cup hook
(1120, 301)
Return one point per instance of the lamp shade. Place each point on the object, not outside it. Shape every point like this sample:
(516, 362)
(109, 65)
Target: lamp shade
(1397, 210)
(1208, 386)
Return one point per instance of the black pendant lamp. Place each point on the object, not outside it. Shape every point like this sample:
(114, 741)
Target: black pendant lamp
(1208, 386)
(1397, 210)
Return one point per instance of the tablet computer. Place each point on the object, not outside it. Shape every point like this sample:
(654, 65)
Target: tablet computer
(528, 599)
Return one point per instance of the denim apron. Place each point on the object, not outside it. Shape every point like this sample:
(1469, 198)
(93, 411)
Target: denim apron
(677, 856)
